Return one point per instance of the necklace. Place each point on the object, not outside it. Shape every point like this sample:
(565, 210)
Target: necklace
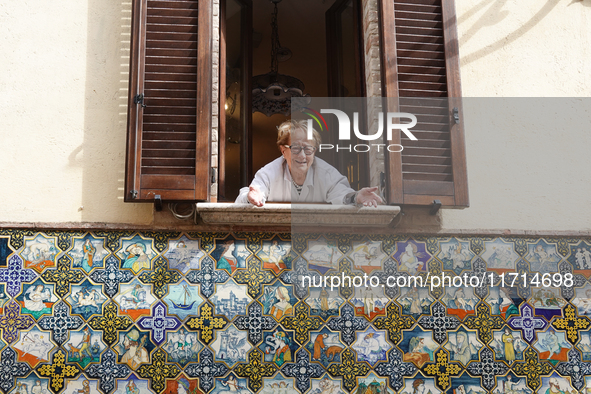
(297, 187)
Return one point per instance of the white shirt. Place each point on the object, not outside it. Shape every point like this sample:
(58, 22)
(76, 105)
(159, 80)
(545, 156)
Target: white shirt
(323, 184)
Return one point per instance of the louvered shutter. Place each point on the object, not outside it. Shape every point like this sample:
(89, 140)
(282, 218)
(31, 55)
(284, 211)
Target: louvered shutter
(421, 72)
(168, 142)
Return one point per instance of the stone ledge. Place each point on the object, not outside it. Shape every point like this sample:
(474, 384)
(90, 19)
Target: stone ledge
(296, 214)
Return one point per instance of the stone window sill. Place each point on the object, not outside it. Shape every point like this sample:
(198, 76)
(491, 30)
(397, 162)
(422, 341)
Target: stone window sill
(274, 214)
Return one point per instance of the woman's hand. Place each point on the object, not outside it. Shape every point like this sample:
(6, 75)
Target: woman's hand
(255, 197)
(368, 197)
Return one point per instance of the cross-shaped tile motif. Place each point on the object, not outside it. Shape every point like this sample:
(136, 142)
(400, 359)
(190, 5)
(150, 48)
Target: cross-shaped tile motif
(63, 275)
(111, 276)
(303, 370)
(527, 322)
(11, 322)
(60, 322)
(207, 276)
(107, 371)
(58, 371)
(159, 323)
(206, 323)
(14, 275)
(206, 370)
(159, 277)
(158, 371)
(110, 323)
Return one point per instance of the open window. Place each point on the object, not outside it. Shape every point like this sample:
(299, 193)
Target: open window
(175, 136)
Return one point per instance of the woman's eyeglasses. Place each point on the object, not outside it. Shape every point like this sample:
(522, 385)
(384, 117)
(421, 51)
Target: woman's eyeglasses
(296, 149)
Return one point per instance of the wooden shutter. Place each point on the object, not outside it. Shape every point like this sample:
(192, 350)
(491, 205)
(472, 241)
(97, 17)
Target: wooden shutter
(168, 145)
(420, 63)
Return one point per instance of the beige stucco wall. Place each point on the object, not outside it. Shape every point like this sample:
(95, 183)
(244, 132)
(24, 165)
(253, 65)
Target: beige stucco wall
(63, 97)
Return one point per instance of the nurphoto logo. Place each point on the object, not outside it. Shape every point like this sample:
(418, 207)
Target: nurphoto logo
(392, 122)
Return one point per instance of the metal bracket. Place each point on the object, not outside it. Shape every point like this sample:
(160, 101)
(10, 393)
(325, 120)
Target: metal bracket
(456, 115)
(435, 207)
(133, 194)
(139, 99)
(214, 175)
(158, 202)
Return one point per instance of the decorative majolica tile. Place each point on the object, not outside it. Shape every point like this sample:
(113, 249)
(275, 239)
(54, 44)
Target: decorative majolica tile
(34, 346)
(230, 346)
(86, 299)
(136, 253)
(40, 252)
(278, 300)
(231, 299)
(499, 255)
(324, 302)
(412, 256)
(135, 299)
(371, 346)
(367, 255)
(230, 255)
(184, 254)
(88, 252)
(37, 299)
(182, 299)
(200, 313)
(322, 255)
(277, 255)
(455, 255)
(325, 347)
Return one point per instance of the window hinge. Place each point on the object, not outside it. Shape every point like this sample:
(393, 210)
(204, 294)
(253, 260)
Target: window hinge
(214, 175)
(133, 193)
(456, 115)
(139, 99)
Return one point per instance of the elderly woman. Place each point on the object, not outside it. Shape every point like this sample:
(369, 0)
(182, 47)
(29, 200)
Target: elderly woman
(299, 176)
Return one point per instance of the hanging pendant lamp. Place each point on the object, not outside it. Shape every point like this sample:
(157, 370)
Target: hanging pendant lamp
(272, 92)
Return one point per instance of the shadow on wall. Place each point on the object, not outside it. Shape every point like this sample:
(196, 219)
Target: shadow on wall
(495, 8)
(102, 155)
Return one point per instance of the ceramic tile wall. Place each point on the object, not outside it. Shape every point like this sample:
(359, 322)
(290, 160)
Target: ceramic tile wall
(184, 313)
